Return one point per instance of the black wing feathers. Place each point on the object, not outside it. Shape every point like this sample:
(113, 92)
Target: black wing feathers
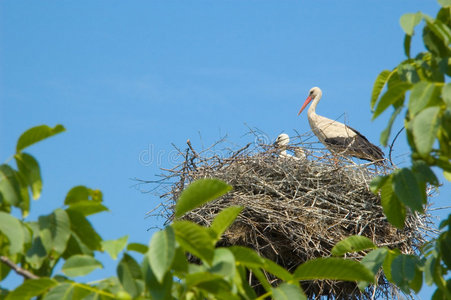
(357, 146)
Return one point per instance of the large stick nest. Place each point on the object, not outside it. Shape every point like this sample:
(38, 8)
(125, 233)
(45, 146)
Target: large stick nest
(297, 209)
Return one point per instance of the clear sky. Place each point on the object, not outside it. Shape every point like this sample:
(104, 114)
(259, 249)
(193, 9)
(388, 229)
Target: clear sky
(126, 77)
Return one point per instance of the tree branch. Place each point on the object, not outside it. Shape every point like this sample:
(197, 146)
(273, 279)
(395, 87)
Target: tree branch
(22, 272)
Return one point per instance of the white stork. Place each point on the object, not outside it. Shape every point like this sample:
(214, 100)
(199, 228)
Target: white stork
(281, 142)
(338, 137)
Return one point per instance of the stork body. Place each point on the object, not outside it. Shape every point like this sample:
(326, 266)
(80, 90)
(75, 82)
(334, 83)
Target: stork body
(336, 136)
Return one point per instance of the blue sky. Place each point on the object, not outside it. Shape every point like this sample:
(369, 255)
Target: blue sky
(127, 76)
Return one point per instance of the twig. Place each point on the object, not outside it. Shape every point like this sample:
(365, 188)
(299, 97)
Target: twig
(391, 147)
(22, 272)
(191, 147)
(240, 150)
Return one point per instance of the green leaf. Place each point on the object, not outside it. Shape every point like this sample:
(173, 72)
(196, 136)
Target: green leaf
(334, 269)
(128, 271)
(445, 248)
(446, 94)
(406, 188)
(76, 246)
(436, 47)
(243, 285)
(377, 183)
(441, 30)
(445, 2)
(29, 167)
(391, 255)
(63, 291)
(423, 94)
(409, 21)
(424, 172)
(407, 42)
(374, 260)
(31, 288)
(209, 282)
(83, 229)
(247, 257)
(37, 254)
(394, 93)
(137, 247)
(257, 272)
(55, 230)
(223, 263)
(199, 192)
(445, 222)
(394, 210)
(114, 247)
(36, 134)
(353, 243)
(386, 132)
(71, 291)
(156, 289)
(88, 207)
(407, 71)
(180, 262)
(417, 281)
(80, 265)
(379, 84)
(424, 129)
(403, 270)
(161, 252)
(81, 193)
(24, 205)
(288, 291)
(12, 229)
(447, 175)
(431, 270)
(195, 239)
(9, 186)
(224, 219)
(4, 272)
(276, 270)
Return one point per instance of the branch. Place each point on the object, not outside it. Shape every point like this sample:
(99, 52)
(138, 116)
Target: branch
(22, 272)
(191, 147)
(391, 146)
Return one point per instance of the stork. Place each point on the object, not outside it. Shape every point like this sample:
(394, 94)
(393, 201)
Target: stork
(338, 137)
(281, 142)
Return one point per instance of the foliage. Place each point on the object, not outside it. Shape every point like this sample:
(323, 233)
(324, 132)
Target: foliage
(420, 85)
(33, 249)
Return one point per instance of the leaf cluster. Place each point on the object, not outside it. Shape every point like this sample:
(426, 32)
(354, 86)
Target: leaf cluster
(419, 87)
(162, 271)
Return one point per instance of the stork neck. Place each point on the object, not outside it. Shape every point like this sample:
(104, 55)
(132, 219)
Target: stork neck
(312, 108)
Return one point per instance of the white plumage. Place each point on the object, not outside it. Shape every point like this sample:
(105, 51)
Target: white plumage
(337, 136)
(282, 143)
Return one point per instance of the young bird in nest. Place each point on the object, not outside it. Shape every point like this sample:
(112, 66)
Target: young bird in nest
(282, 144)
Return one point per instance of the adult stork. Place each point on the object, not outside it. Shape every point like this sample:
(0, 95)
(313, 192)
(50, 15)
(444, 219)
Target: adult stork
(338, 137)
(282, 143)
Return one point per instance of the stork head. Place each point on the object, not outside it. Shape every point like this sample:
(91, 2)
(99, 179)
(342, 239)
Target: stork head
(312, 94)
(282, 140)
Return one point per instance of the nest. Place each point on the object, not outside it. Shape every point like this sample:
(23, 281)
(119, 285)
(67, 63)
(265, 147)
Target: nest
(296, 209)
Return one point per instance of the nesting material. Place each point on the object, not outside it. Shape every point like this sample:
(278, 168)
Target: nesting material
(297, 210)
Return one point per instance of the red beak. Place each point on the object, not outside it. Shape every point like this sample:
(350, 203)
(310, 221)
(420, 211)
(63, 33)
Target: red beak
(307, 101)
